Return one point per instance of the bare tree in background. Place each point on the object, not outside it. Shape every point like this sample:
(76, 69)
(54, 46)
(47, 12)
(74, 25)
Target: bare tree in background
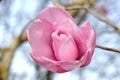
(14, 18)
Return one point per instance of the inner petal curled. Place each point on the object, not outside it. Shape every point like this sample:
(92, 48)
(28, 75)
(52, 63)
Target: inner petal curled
(64, 46)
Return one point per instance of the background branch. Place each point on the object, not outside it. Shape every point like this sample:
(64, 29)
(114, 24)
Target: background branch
(7, 55)
(49, 75)
(116, 28)
(108, 49)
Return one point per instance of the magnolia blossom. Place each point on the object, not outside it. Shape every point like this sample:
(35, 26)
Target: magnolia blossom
(57, 43)
(103, 8)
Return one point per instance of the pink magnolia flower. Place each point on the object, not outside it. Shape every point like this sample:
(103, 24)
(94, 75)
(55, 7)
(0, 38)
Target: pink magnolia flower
(103, 8)
(57, 43)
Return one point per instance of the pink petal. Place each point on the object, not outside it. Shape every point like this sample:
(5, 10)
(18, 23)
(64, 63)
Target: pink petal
(47, 63)
(67, 25)
(56, 66)
(59, 66)
(39, 36)
(90, 37)
(72, 64)
(64, 47)
(62, 20)
(54, 14)
(103, 8)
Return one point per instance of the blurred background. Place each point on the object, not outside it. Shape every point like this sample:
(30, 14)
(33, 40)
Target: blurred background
(15, 61)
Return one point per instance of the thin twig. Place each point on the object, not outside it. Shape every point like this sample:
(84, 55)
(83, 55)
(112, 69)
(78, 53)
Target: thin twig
(49, 75)
(97, 16)
(76, 7)
(81, 16)
(97, 8)
(108, 49)
(103, 19)
(57, 4)
(72, 12)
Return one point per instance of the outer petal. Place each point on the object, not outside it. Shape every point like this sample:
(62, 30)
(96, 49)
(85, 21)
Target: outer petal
(54, 14)
(58, 66)
(39, 36)
(47, 63)
(70, 65)
(90, 37)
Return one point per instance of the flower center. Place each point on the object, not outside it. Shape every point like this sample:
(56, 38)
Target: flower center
(64, 46)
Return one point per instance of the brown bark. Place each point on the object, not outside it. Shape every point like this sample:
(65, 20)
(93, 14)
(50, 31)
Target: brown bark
(7, 55)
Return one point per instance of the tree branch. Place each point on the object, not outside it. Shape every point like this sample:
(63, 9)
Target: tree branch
(116, 28)
(108, 49)
(72, 12)
(7, 55)
(57, 4)
(49, 75)
(104, 20)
